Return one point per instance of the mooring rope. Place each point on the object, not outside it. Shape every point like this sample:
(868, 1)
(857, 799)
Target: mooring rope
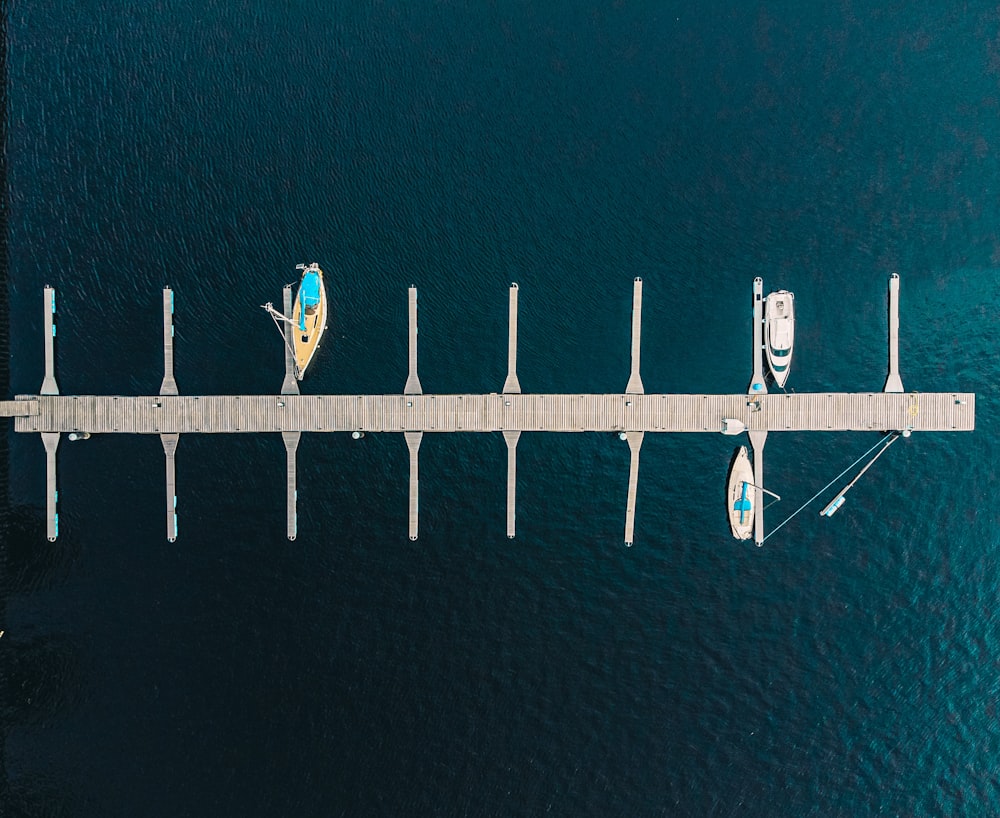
(269, 307)
(835, 479)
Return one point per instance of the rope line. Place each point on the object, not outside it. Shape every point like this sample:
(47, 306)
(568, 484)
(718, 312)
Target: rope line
(818, 493)
(269, 307)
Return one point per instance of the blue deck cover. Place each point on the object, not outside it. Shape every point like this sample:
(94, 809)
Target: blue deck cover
(309, 293)
(743, 504)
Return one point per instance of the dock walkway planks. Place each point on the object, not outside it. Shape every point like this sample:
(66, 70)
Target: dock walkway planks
(18, 408)
(212, 414)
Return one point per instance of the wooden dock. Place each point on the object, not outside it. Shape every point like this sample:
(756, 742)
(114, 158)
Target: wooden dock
(243, 414)
(757, 432)
(631, 414)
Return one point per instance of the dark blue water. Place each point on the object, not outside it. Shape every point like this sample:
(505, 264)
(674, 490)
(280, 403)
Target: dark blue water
(847, 668)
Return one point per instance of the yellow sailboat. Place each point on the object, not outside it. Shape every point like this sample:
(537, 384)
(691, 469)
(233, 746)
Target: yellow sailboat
(308, 318)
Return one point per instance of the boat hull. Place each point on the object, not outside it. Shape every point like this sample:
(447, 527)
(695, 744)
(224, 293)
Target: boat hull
(740, 495)
(306, 341)
(779, 333)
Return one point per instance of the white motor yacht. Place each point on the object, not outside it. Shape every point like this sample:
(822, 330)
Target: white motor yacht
(779, 333)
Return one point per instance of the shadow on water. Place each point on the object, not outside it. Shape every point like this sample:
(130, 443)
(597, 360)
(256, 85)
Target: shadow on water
(35, 679)
(33, 673)
(30, 562)
(47, 798)
(5, 800)
(40, 674)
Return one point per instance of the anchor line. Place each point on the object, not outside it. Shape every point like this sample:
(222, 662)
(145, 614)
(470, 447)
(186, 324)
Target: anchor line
(868, 465)
(835, 479)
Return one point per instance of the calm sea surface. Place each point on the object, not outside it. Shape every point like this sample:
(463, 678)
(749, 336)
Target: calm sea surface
(850, 667)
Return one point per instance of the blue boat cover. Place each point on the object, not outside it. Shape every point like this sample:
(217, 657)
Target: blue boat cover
(309, 293)
(743, 504)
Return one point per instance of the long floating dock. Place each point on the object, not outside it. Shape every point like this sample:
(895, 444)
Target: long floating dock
(243, 414)
(631, 414)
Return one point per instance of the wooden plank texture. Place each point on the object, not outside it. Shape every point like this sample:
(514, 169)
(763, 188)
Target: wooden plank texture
(511, 438)
(291, 440)
(169, 385)
(50, 440)
(511, 384)
(634, 444)
(634, 385)
(18, 408)
(170, 442)
(49, 385)
(824, 411)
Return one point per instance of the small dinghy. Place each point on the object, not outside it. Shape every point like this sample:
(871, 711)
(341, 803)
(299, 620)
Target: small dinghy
(732, 426)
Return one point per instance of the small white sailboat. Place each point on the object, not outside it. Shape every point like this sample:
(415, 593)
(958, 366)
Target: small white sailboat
(308, 319)
(779, 333)
(740, 495)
